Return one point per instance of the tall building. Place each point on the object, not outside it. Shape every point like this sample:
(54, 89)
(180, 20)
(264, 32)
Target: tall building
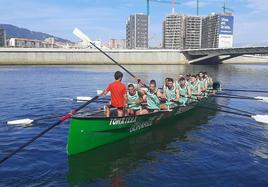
(2, 38)
(173, 31)
(137, 31)
(217, 31)
(193, 25)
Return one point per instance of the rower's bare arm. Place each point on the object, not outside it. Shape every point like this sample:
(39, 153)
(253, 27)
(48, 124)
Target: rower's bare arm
(125, 99)
(104, 92)
(189, 91)
(141, 94)
(144, 98)
(177, 94)
(198, 89)
(160, 95)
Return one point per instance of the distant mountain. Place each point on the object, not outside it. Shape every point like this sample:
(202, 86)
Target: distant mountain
(16, 32)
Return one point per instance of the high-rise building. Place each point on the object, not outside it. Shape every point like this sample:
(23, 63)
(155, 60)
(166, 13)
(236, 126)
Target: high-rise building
(193, 25)
(173, 31)
(2, 38)
(137, 31)
(217, 31)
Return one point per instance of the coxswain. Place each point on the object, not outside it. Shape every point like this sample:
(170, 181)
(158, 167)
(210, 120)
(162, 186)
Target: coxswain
(118, 95)
(171, 93)
(184, 90)
(135, 99)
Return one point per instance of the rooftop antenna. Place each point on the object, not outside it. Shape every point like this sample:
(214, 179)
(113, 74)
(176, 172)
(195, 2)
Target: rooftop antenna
(173, 6)
(225, 8)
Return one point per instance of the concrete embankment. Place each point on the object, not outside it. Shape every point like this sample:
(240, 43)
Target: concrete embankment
(30, 56)
(34, 56)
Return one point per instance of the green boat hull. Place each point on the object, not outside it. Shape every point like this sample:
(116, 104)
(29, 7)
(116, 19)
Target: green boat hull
(86, 133)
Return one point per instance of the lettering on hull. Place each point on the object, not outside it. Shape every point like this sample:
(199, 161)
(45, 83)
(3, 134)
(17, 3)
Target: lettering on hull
(141, 125)
(123, 121)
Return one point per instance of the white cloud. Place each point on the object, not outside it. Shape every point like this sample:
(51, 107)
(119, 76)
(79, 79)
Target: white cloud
(258, 6)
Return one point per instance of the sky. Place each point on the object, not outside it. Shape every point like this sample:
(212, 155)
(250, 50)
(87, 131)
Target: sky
(105, 19)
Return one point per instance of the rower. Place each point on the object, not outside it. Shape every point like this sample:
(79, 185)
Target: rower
(118, 95)
(203, 84)
(184, 90)
(152, 97)
(195, 88)
(209, 81)
(135, 99)
(178, 80)
(171, 93)
(188, 77)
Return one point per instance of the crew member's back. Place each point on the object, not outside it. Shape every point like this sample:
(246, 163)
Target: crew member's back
(118, 95)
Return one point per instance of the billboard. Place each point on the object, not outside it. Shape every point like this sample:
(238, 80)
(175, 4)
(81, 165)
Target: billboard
(226, 31)
(226, 25)
(225, 41)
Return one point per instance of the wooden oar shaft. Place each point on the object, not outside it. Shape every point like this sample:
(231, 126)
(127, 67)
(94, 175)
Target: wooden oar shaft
(62, 119)
(236, 109)
(230, 112)
(233, 97)
(242, 90)
(113, 60)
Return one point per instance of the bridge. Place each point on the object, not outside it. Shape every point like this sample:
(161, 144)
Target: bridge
(217, 55)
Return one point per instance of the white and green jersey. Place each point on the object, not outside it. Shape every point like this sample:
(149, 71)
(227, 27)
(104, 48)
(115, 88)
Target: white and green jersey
(131, 101)
(170, 93)
(153, 101)
(202, 84)
(194, 88)
(177, 83)
(183, 94)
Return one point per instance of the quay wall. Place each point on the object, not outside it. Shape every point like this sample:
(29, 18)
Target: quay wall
(35, 56)
(27, 56)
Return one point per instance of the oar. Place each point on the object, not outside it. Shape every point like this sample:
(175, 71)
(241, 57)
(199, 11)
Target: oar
(259, 98)
(28, 121)
(235, 109)
(265, 99)
(241, 90)
(84, 37)
(62, 119)
(256, 117)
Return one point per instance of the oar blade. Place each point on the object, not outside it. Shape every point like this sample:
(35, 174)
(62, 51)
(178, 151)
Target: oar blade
(82, 36)
(100, 92)
(83, 98)
(20, 122)
(261, 98)
(261, 118)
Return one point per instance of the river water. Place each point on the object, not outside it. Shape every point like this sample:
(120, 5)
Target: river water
(209, 148)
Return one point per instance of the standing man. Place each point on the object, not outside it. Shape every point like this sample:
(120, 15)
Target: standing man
(118, 95)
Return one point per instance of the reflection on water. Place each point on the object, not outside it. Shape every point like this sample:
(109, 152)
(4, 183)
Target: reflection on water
(115, 160)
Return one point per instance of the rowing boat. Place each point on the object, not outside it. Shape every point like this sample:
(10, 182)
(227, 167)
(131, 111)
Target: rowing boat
(88, 132)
